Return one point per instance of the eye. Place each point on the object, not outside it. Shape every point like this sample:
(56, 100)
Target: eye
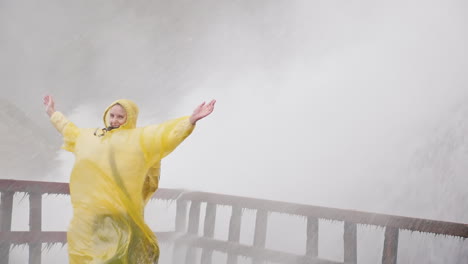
(111, 115)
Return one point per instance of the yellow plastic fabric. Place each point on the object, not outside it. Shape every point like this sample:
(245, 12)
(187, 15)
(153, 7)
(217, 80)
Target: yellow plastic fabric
(113, 178)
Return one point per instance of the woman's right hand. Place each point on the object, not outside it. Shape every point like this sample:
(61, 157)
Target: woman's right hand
(49, 104)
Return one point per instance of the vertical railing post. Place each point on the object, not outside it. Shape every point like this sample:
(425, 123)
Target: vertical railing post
(261, 223)
(208, 231)
(390, 250)
(194, 218)
(181, 216)
(312, 237)
(35, 227)
(350, 244)
(180, 227)
(234, 231)
(193, 225)
(6, 210)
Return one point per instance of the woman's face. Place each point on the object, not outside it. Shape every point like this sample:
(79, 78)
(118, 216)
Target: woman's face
(117, 116)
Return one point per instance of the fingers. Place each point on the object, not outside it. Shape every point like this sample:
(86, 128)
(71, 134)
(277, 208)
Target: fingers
(211, 103)
(46, 100)
(210, 106)
(205, 109)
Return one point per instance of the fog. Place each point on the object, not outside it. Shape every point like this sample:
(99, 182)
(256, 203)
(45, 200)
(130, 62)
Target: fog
(355, 105)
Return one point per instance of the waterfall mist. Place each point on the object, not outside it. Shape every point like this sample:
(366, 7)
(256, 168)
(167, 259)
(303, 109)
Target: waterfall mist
(357, 105)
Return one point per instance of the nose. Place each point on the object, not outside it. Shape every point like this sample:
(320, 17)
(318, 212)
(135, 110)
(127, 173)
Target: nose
(113, 121)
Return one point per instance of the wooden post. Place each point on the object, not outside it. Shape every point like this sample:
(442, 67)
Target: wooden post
(312, 237)
(208, 231)
(193, 225)
(350, 243)
(35, 226)
(390, 250)
(234, 231)
(261, 223)
(179, 252)
(181, 216)
(6, 209)
(194, 218)
(180, 226)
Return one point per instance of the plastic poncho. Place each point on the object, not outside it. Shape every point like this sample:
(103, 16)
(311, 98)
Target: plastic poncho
(113, 177)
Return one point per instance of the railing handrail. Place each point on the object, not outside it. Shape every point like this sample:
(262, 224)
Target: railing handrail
(345, 215)
(351, 216)
(41, 187)
(26, 237)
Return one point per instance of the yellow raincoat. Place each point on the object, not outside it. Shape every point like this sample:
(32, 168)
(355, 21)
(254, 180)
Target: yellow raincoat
(114, 176)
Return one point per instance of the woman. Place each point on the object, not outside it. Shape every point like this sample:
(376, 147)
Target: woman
(116, 172)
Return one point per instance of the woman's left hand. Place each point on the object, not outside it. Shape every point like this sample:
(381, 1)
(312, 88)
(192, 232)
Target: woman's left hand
(202, 111)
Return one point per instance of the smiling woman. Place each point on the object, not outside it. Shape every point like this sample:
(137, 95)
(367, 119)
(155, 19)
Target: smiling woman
(114, 176)
(117, 116)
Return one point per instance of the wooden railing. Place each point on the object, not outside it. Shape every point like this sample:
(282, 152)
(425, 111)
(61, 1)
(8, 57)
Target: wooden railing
(188, 211)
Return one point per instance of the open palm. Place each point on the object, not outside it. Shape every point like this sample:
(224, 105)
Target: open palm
(49, 104)
(202, 111)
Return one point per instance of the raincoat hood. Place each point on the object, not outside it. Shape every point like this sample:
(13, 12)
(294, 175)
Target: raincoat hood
(130, 108)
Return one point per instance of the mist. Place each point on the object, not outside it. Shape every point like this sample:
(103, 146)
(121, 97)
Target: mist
(354, 105)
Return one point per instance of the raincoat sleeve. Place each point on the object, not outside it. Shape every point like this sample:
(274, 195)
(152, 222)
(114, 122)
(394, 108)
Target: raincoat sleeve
(160, 140)
(68, 130)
